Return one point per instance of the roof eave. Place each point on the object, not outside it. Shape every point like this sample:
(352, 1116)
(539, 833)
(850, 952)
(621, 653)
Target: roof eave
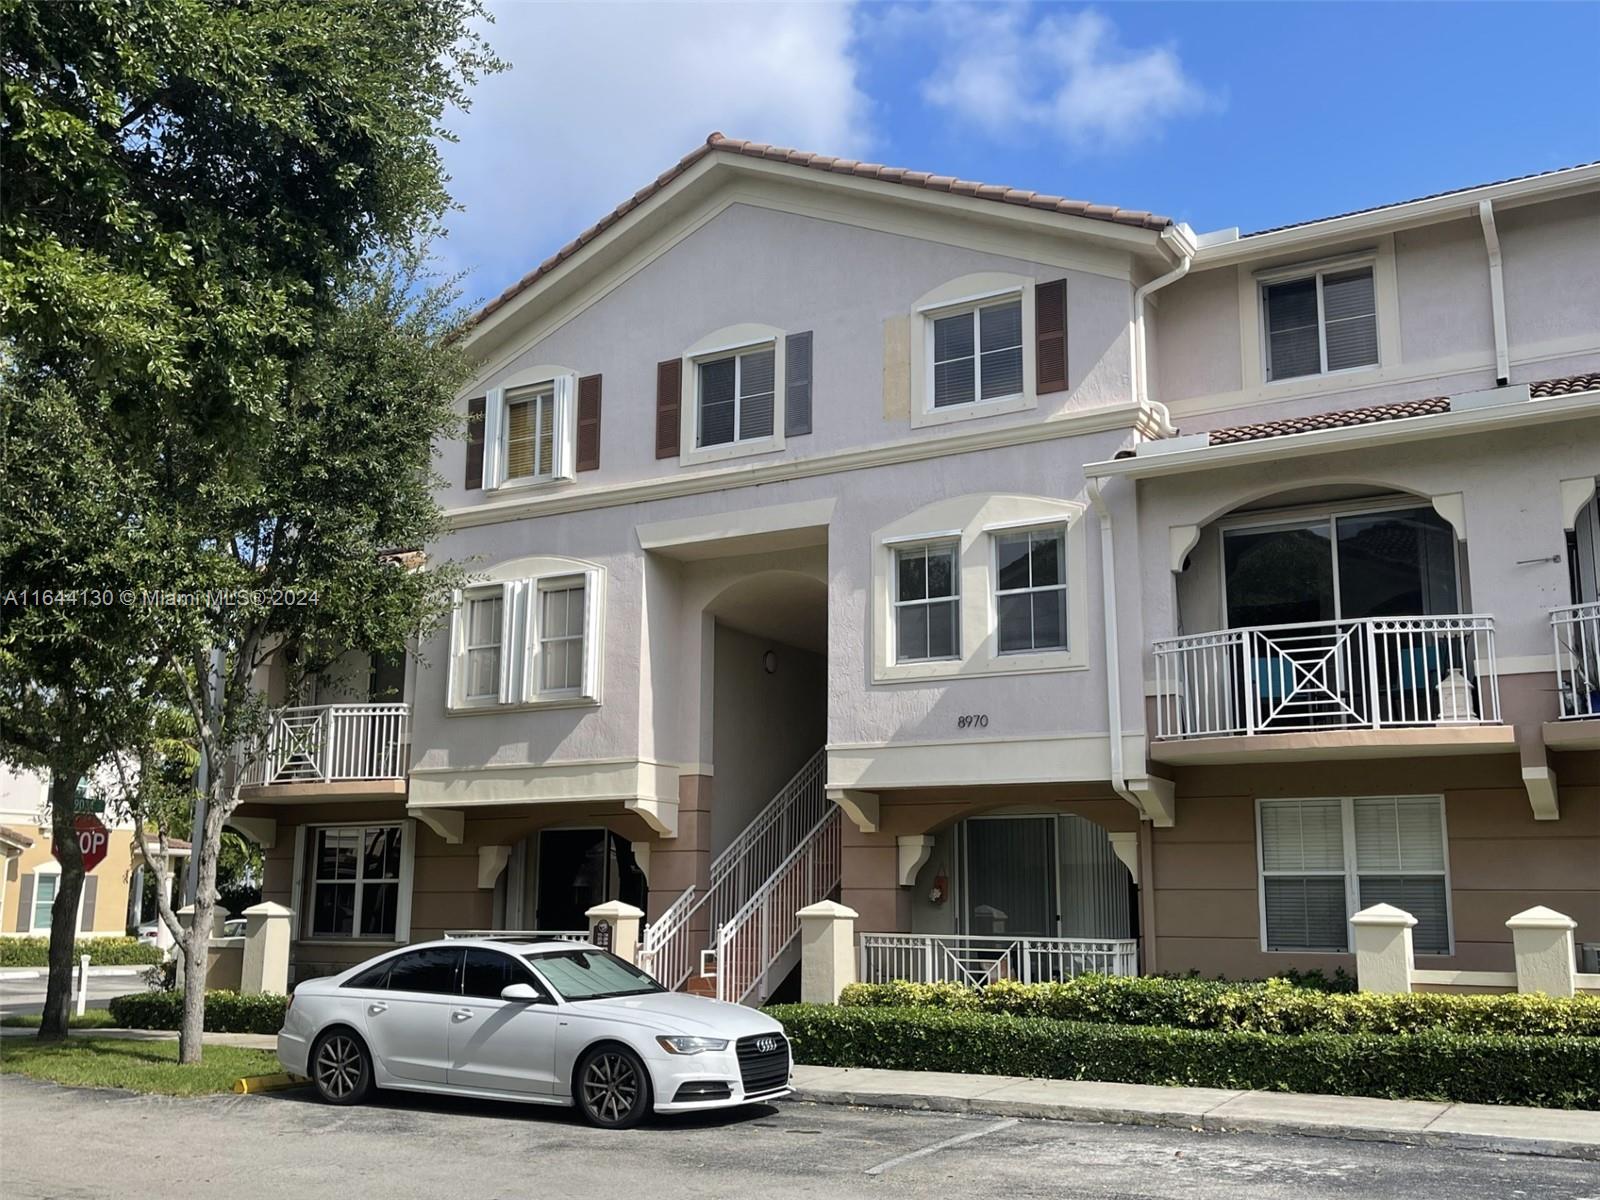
(1350, 437)
(1462, 204)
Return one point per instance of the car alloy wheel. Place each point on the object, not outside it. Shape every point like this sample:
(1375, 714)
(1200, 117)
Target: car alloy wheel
(340, 1069)
(612, 1088)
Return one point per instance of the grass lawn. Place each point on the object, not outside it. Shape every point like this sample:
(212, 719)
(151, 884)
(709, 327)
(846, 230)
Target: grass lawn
(139, 1066)
(93, 1018)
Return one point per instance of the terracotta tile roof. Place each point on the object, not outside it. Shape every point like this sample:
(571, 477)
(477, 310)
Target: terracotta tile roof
(1471, 187)
(15, 837)
(1544, 389)
(1569, 386)
(1137, 218)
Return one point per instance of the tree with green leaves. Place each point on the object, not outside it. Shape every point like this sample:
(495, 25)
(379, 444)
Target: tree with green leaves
(196, 195)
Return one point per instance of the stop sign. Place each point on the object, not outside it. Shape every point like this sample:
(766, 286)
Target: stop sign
(93, 840)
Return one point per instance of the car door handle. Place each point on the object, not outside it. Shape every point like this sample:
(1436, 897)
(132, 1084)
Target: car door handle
(374, 1009)
(461, 1014)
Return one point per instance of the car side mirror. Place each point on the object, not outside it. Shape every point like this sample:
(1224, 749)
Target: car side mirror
(522, 993)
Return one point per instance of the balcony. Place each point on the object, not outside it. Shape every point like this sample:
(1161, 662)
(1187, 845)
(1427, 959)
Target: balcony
(1373, 686)
(978, 961)
(332, 749)
(1575, 629)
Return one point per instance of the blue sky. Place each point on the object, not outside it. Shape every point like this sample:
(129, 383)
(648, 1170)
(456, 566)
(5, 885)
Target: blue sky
(1216, 114)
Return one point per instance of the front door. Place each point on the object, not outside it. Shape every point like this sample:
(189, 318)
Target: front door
(580, 868)
(408, 1025)
(1011, 877)
(501, 1045)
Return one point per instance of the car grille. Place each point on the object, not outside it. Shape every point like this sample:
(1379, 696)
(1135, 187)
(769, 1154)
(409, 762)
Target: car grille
(763, 1062)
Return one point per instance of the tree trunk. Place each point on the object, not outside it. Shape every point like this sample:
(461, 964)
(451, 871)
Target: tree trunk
(197, 941)
(64, 911)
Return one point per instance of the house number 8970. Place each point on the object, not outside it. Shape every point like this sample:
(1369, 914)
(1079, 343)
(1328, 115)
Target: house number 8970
(973, 721)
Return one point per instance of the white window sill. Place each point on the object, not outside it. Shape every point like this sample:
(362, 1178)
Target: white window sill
(979, 667)
(1312, 376)
(529, 485)
(999, 406)
(689, 456)
(470, 710)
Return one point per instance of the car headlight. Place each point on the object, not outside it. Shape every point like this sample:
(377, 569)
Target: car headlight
(692, 1045)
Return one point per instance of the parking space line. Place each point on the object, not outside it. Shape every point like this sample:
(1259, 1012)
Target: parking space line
(944, 1145)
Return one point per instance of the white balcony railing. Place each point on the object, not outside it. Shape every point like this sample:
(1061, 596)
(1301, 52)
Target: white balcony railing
(522, 935)
(1576, 629)
(976, 961)
(1374, 673)
(331, 742)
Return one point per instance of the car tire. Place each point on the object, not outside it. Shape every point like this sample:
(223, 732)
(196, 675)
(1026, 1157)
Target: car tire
(612, 1087)
(341, 1068)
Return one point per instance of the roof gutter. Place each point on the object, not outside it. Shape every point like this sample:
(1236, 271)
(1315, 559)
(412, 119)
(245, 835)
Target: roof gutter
(1179, 240)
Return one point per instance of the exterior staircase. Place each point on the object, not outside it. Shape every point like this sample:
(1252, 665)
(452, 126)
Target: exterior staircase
(738, 937)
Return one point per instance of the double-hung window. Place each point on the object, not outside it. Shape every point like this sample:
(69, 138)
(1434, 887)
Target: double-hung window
(355, 881)
(927, 602)
(735, 397)
(485, 630)
(561, 630)
(977, 353)
(1031, 590)
(527, 641)
(45, 884)
(531, 433)
(1320, 322)
(1325, 859)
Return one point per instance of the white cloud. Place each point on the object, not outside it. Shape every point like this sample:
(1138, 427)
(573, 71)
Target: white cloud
(1067, 74)
(601, 98)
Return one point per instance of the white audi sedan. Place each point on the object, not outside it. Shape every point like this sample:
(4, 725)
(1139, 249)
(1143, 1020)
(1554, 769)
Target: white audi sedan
(543, 1022)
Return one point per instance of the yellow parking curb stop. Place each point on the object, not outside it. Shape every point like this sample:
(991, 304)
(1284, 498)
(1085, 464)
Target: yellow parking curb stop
(251, 1084)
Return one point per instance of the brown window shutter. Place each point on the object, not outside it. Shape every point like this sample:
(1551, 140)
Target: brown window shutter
(91, 890)
(25, 904)
(669, 392)
(589, 423)
(475, 414)
(1050, 335)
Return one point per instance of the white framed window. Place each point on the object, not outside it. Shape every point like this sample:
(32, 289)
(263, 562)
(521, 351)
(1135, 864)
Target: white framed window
(735, 396)
(531, 433)
(484, 624)
(1030, 589)
(527, 641)
(355, 880)
(927, 602)
(46, 882)
(561, 652)
(975, 353)
(1320, 321)
(530, 430)
(1323, 859)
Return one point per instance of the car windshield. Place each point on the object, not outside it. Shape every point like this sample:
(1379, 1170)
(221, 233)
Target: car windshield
(592, 975)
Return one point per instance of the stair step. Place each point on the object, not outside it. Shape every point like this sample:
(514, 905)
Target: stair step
(701, 985)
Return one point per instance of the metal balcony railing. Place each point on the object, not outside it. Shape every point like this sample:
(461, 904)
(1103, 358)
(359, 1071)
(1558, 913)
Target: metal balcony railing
(328, 743)
(977, 961)
(1373, 673)
(1576, 630)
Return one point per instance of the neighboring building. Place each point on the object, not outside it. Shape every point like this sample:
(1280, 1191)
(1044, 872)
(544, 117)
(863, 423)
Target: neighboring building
(798, 478)
(31, 872)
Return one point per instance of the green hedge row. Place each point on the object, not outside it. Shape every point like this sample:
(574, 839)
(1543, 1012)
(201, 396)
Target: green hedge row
(226, 1012)
(1274, 1006)
(102, 951)
(1555, 1072)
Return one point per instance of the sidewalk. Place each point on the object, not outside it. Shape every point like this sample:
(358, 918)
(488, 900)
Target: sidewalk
(1502, 1129)
(250, 1041)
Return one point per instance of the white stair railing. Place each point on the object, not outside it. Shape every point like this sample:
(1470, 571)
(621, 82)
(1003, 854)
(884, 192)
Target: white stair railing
(755, 936)
(674, 940)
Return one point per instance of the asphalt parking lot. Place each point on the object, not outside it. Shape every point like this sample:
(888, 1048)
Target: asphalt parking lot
(287, 1145)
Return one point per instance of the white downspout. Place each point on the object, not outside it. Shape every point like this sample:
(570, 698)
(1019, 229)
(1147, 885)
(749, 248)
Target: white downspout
(1108, 591)
(1181, 241)
(1497, 294)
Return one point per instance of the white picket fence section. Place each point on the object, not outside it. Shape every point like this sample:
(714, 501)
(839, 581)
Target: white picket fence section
(979, 960)
(1372, 673)
(325, 743)
(1576, 631)
(754, 937)
(674, 940)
